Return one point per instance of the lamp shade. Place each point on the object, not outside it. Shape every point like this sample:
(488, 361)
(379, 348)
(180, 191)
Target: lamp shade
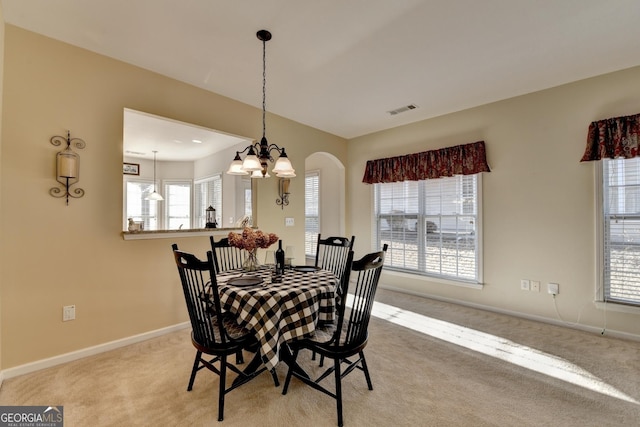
(235, 168)
(251, 163)
(154, 196)
(258, 174)
(288, 174)
(283, 165)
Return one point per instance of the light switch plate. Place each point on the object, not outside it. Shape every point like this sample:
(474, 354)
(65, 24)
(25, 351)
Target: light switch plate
(289, 222)
(535, 286)
(68, 312)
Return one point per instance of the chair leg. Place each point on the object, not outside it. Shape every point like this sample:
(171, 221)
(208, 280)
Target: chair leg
(366, 370)
(194, 370)
(336, 364)
(287, 380)
(276, 381)
(221, 390)
(239, 358)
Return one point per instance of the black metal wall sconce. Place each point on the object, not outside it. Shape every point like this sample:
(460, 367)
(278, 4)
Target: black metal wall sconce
(283, 192)
(67, 167)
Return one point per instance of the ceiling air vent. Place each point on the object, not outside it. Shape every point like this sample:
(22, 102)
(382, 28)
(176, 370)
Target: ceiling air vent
(402, 109)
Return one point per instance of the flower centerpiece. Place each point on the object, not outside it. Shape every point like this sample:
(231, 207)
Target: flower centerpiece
(250, 240)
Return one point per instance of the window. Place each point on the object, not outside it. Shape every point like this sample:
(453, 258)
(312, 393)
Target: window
(621, 230)
(207, 192)
(137, 207)
(177, 204)
(311, 212)
(248, 207)
(432, 227)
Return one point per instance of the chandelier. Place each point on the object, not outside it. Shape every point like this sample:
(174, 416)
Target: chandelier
(259, 154)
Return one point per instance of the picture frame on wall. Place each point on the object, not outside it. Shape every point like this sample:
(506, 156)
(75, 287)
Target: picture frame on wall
(131, 168)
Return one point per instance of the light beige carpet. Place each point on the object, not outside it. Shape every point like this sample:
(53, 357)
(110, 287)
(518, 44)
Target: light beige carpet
(474, 372)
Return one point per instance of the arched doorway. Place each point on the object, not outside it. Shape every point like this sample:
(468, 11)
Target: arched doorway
(325, 205)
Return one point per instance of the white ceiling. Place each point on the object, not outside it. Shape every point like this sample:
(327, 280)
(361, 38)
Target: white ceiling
(341, 65)
(173, 140)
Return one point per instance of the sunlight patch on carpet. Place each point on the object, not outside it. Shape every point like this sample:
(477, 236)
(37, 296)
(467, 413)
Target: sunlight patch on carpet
(499, 348)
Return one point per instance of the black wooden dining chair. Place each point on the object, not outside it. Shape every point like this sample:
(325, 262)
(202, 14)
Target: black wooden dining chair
(346, 342)
(214, 333)
(332, 252)
(225, 256)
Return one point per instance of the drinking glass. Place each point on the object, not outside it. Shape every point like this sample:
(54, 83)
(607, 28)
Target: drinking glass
(270, 258)
(288, 255)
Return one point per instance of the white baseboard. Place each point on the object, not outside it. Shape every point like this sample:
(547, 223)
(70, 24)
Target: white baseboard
(556, 322)
(85, 352)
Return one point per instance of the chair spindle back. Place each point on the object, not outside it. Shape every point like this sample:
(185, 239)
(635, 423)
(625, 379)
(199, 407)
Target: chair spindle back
(225, 256)
(353, 324)
(332, 254)
(201, 296)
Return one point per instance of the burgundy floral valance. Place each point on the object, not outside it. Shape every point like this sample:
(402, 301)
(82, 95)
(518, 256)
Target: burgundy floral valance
(467, 159)
(612, 138)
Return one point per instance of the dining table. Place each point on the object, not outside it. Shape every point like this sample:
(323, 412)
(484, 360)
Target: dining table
(279, 308)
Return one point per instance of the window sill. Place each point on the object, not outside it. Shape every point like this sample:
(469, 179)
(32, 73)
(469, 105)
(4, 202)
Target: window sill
(172, 234)
(416, 276)
(619, 308)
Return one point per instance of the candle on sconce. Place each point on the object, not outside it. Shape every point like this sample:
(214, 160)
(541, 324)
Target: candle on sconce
(67, 165)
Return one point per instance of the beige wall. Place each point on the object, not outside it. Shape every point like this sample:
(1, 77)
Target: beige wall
(539, 201)
(55, 255)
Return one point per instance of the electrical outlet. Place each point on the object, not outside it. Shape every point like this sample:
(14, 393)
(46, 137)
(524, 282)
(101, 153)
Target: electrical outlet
(289, 222)
(525, 284)
(535, 286)
(68, 312)
(553, 288)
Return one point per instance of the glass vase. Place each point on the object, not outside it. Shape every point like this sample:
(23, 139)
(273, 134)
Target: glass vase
(251, 263)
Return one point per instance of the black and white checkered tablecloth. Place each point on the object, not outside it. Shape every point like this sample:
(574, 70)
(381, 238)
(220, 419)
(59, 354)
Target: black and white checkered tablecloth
(280, 312)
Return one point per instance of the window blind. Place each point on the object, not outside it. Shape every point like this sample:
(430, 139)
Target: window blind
(430, 226)
(311, 212)
(621, 240)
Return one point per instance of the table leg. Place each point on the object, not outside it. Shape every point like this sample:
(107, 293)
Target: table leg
(287, 357)
(252, 370)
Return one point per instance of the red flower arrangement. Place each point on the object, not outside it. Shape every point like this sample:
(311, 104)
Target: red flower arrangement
(251, 239)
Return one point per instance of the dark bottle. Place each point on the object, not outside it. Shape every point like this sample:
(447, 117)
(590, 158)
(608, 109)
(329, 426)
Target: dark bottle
(279, 259)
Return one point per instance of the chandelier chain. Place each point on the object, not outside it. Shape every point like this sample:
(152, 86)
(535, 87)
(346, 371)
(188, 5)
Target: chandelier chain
(264, 85)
